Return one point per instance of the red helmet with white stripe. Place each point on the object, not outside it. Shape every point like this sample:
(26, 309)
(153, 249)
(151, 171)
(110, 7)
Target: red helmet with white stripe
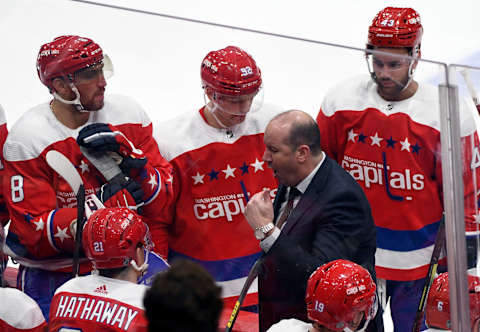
(339, 294)
(396, 27)
(438, 303)
(231, 71)
(111, 236)
(64, 56)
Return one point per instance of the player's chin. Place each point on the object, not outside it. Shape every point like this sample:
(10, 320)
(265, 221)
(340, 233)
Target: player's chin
(390, 90)
(95, 107)
(237, 119)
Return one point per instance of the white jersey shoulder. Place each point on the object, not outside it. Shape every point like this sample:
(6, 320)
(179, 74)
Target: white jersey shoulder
(189, 131)
(95, 285)
(290, 325)
(360, 93)
(120, 109)
(21, 144)
(18, 310)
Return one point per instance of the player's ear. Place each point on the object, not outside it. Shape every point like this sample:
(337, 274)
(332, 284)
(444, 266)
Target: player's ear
(139, 256)
(61, 87)
(210, 93)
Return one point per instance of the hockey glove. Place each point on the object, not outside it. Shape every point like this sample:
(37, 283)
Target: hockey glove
(105, 137)
(128, 194)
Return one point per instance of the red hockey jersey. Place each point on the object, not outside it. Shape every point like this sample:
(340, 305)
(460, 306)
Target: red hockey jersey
(392, 149)
(41, 203)
(212, 170)
(94, 303)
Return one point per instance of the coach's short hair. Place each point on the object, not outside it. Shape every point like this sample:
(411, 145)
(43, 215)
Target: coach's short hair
(303, 131)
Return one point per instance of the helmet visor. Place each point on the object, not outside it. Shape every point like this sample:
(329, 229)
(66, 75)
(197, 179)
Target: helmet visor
(235, 105)
(391, 71)
(99, 70)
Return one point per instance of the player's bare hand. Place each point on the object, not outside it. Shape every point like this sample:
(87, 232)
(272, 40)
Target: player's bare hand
(259, 210)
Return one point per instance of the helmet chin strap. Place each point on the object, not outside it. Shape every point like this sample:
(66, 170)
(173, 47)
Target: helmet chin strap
(347, 329)
(142, 268)
(76, 102)
(212, 110)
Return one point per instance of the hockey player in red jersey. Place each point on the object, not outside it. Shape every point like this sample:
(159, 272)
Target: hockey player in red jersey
(437, 311)
(384, 129)
(18, 312)
(216, 153)
(41, 203)
(116, 241)
(340, 297)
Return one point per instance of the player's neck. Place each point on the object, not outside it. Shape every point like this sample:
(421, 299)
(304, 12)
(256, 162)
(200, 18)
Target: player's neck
(68, 115)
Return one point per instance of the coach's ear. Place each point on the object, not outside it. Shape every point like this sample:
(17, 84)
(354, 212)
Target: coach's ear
(302, 153)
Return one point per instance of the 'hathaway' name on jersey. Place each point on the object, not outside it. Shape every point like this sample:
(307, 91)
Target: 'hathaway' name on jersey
(96, 309)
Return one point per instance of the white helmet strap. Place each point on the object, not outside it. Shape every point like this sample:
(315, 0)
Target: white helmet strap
(142, 268)
(76, 102)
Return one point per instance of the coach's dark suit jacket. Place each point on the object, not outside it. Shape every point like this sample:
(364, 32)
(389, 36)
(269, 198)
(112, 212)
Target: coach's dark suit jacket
(332, 220)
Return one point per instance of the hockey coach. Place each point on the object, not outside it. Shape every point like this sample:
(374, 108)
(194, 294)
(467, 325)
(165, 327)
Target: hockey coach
(319, 214)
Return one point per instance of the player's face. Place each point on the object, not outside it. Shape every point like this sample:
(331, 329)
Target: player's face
(391, 72)
(278, 154)
(355, 324)
(232, 110)
(91, 83)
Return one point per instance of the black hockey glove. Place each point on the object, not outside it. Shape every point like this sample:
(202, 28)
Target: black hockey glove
(127, 194)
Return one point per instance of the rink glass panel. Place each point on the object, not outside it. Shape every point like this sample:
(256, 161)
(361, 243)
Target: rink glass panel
(162, 71)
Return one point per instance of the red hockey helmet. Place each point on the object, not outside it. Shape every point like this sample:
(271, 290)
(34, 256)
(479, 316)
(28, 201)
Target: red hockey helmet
(230, 71)
(438, 302)
(337, 292)
(395, 27)
(111, 236)
(64, 56)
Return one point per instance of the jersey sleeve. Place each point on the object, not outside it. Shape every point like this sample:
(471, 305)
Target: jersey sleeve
(4, 216)
(39, 229)
(328, 135)
(471, 180)
(156, 181)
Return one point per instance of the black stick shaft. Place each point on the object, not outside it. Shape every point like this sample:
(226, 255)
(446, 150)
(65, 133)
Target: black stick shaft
(432, 270)
(78, 235)
(246, 286)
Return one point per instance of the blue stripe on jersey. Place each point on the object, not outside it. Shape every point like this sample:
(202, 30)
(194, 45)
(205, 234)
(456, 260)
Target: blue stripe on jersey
(407, 240)
(222, 270)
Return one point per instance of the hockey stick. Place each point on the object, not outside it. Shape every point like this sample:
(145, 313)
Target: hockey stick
(110, 170)
(250, 278)
(105, 165)
(432, 271)
(60, 164)
(471, 87)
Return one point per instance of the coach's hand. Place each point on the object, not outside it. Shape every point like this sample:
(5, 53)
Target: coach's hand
(259, 210)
